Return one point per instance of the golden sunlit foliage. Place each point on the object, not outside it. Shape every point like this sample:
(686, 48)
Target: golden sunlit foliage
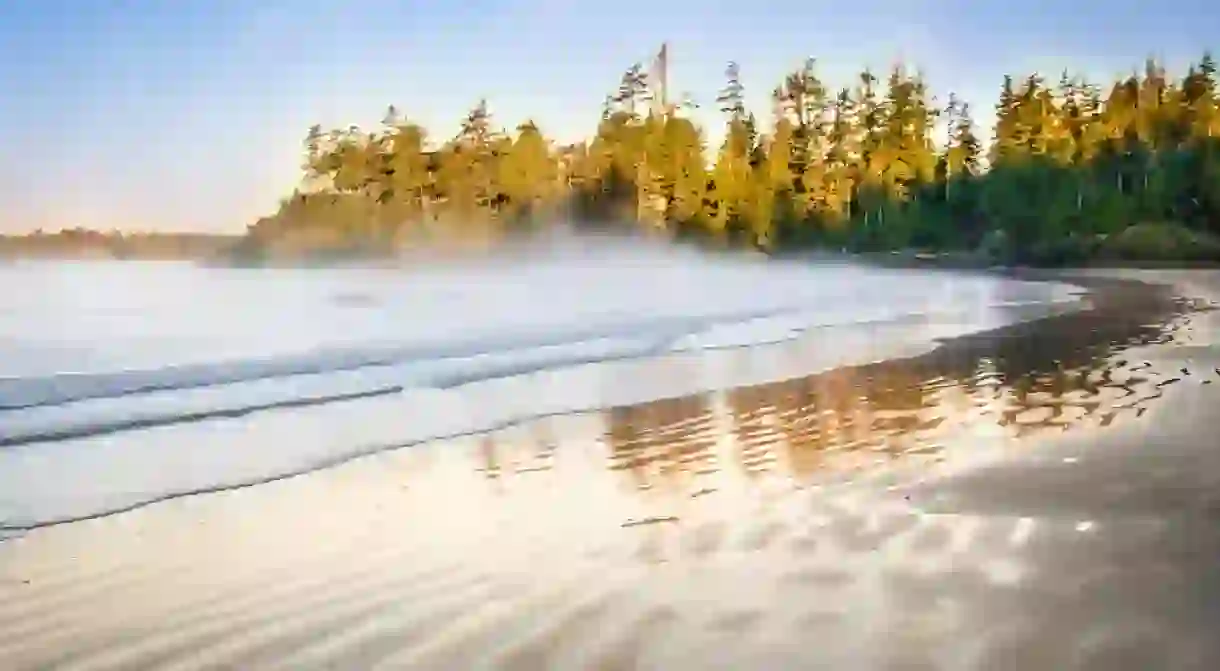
(878, 164)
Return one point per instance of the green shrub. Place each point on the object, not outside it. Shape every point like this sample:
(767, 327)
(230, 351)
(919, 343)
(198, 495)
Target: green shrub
(1074, 249)
(996, 247)
(1161, 241)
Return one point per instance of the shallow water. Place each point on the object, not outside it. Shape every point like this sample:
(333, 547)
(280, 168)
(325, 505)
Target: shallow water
(742, 528)
(122, 384)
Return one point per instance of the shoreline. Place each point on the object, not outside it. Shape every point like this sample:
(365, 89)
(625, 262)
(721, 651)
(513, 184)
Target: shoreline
(665, 378)
(970, 261)
(668, 526)
(1103, 297)
(900, 258)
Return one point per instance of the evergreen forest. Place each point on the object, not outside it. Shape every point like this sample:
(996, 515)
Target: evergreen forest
(1074, 171)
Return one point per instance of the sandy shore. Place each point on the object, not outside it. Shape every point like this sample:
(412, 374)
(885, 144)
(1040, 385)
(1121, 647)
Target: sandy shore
(1042, 496)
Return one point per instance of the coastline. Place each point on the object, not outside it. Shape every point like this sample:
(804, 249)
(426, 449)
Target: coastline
(578, 367)
(646, 535)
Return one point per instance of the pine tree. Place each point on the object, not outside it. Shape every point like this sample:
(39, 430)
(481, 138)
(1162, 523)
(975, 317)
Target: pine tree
(964, 152)
(839, 159)
(1004, 145)
(732, 175)
(528, 176)
(732, 97)
(633, 93)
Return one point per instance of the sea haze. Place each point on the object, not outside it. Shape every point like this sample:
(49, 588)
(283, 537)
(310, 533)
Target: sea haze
(126, 383)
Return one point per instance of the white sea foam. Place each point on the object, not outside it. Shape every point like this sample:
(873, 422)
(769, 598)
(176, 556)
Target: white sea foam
(126, 383)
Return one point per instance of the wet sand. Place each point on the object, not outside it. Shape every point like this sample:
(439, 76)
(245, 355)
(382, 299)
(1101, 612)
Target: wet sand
(1040, 496)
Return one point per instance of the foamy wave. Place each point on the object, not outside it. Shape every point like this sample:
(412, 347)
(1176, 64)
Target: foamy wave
(74, 446)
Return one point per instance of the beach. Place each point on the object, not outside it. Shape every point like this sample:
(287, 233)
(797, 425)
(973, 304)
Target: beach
(1038, 494)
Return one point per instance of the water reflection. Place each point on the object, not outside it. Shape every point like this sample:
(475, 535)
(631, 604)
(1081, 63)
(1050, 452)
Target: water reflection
(662, 443)
(1009, 384)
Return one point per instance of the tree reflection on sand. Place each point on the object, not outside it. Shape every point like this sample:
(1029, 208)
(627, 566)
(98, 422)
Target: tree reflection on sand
(981, 391)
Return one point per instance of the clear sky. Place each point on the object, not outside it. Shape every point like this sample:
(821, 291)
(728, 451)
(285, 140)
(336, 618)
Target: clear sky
(189, 114)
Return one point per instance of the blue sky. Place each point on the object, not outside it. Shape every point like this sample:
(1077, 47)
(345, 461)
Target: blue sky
(189, 114)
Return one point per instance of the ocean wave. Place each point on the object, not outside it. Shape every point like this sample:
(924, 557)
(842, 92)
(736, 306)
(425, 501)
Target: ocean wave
(75, 446)
(77, 406)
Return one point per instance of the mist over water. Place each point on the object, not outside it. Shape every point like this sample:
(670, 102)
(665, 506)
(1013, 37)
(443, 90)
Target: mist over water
(123, 383)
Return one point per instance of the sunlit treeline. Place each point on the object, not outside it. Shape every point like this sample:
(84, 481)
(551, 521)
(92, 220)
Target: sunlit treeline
(858, 165)
(83, 243)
